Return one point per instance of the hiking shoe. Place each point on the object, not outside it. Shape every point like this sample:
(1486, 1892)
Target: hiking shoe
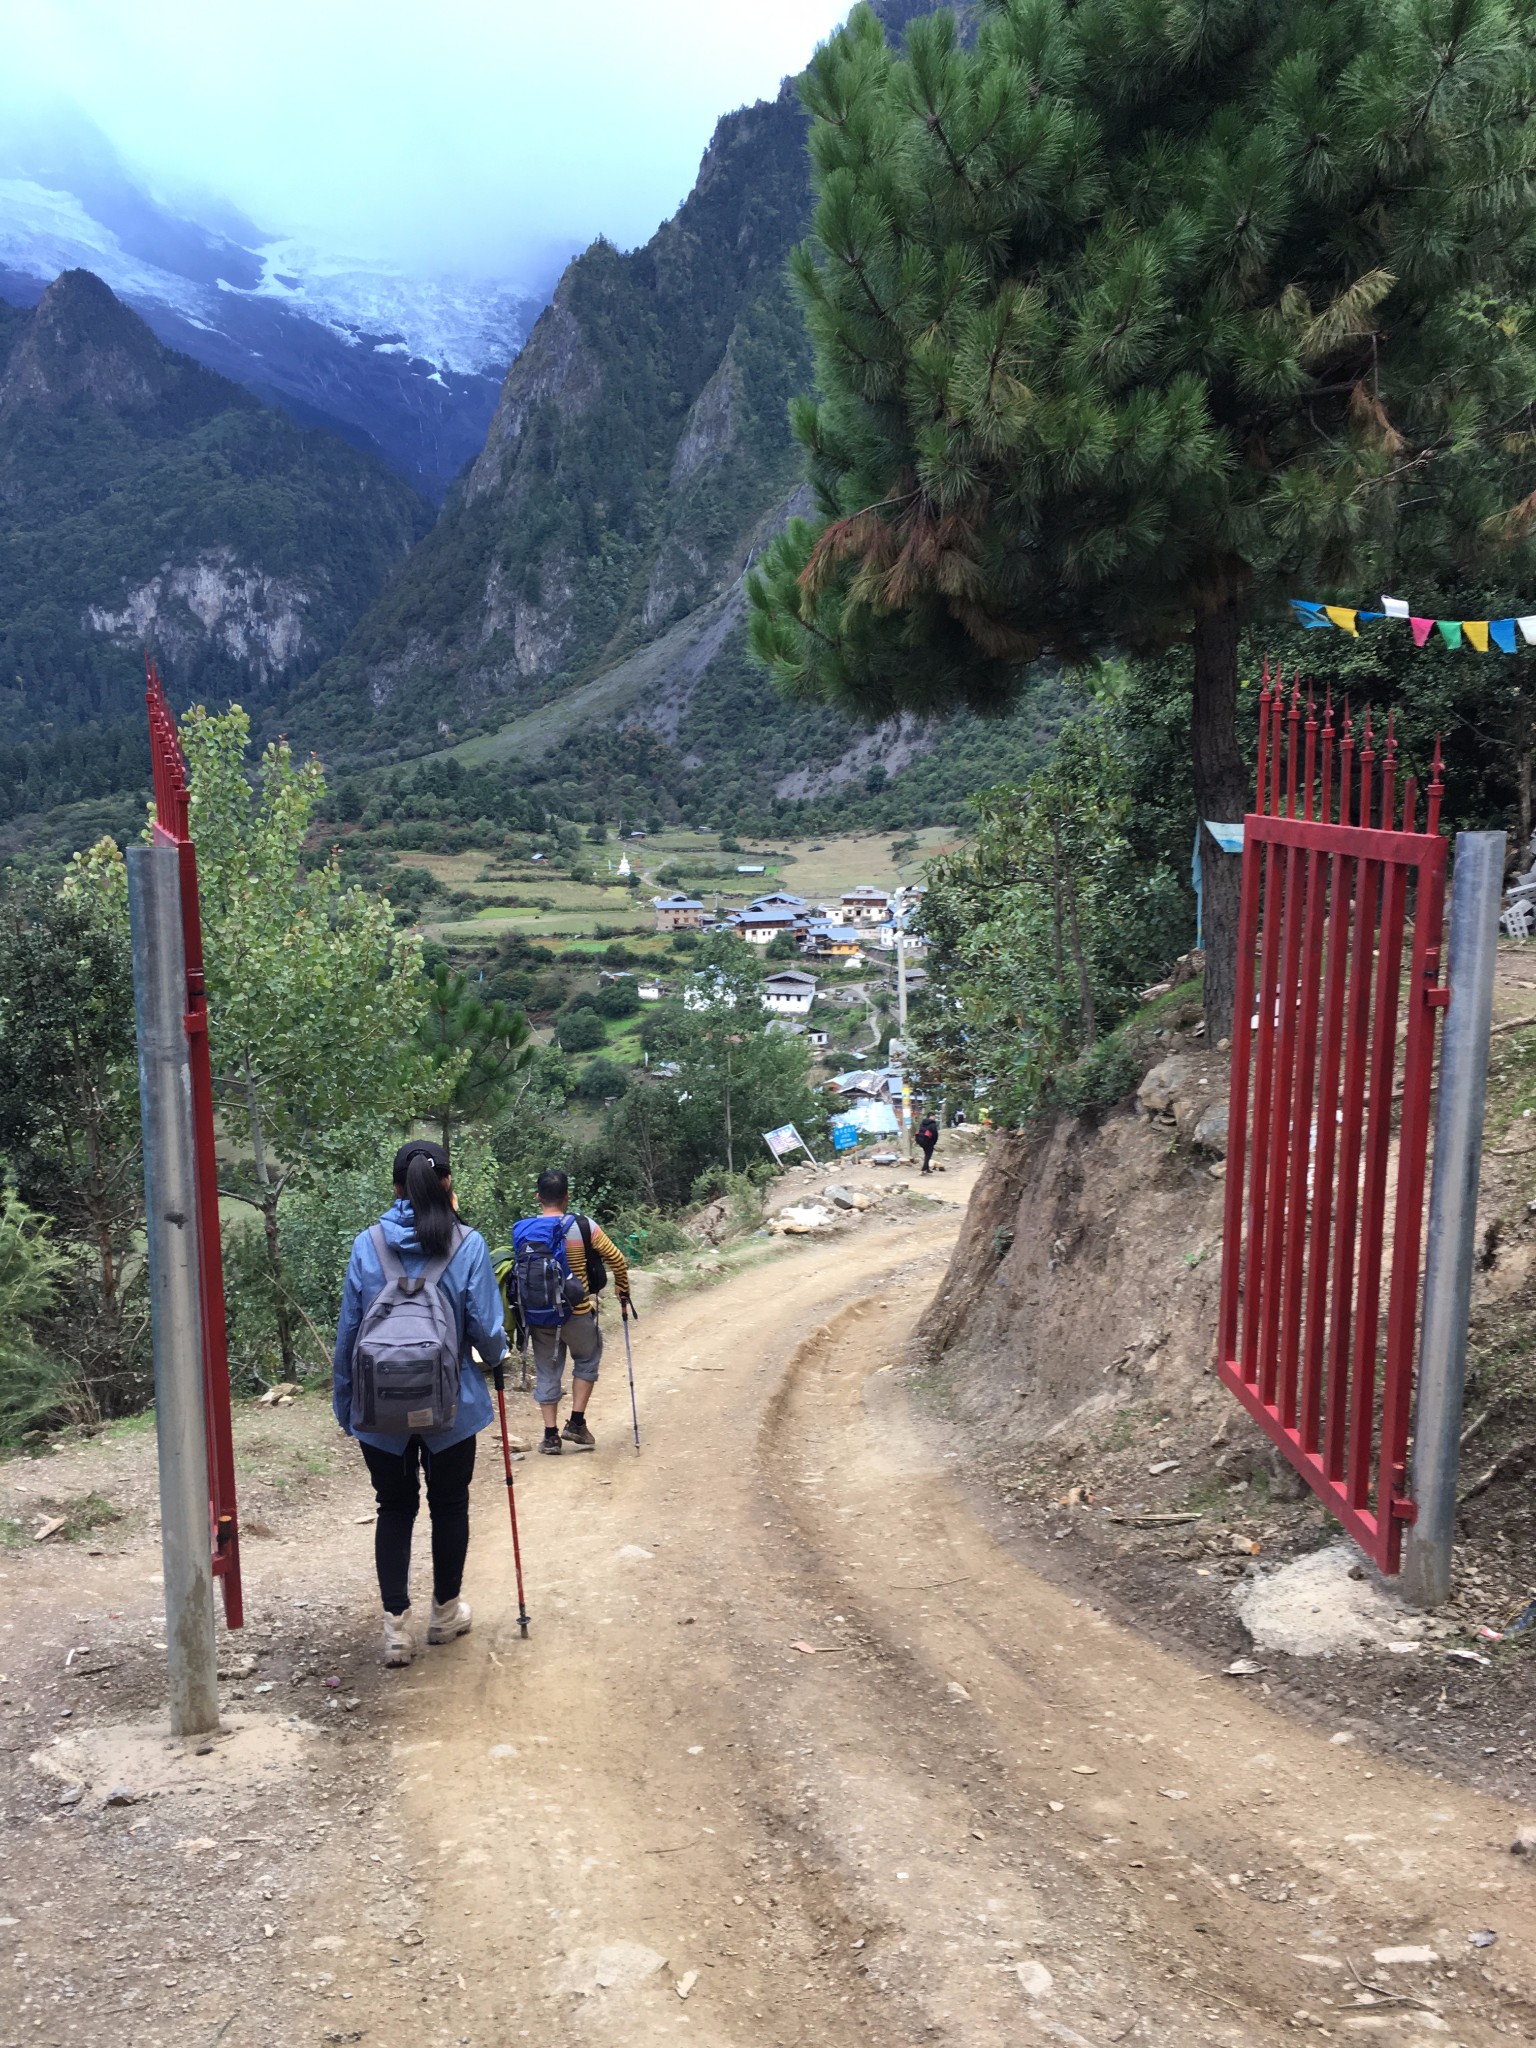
(399, 1641)
(452, 1619)
(549, 1446)
(577, 1434)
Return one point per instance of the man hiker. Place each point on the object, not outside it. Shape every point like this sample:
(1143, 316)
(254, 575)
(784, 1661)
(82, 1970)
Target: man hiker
(561, 1263)
(927, 1138)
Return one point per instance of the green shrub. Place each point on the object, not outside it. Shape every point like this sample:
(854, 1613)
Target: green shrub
(580, 1031)
(617, 999)
(35, 1387)
(602, 1081)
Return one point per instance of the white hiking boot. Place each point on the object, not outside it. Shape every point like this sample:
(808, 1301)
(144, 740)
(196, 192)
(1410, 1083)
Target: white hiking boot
(449, 1621)
(399, 1642)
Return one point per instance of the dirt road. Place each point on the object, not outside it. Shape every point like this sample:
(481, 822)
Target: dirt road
(800, 1751)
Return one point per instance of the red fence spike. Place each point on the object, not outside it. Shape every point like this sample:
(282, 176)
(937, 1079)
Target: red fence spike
(1310, 770)
(1264, 702)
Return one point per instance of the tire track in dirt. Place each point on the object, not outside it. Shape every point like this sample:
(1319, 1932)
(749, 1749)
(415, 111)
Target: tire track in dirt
(1201, 1868)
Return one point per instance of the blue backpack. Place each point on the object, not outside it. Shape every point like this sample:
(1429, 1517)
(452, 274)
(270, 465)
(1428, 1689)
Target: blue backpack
(546, 1288)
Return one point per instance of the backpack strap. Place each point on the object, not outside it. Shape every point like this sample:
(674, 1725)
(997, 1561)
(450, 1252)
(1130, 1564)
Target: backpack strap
(394, 1267)
(388, 1257)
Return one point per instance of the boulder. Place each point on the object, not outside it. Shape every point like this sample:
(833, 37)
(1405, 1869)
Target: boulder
(1189, 1091)
(1210, 1133)
(802, 1219)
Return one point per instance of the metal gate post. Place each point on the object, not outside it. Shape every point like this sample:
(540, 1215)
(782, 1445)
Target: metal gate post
(1477, 883)
(170, 1205)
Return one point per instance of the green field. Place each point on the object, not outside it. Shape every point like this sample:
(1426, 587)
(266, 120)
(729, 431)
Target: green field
(540, 900)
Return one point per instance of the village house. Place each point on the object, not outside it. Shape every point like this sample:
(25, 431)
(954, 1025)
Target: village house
(865, 905)
(677, 913)
(761, 927)
(789, 993)
(831, 941)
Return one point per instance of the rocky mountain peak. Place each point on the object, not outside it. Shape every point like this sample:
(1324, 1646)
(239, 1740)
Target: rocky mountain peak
(82, 345)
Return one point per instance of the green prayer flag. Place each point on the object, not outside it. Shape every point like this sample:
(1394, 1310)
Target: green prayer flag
(1449, 631)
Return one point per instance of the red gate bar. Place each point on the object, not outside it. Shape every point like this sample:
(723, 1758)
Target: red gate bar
(1323, 1100)
(170, 829)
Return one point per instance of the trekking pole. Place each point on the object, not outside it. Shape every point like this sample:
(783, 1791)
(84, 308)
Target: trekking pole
(626, 1310)
(506, 1459)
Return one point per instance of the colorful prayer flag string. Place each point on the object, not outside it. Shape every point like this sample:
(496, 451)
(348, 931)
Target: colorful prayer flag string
(1480, 634)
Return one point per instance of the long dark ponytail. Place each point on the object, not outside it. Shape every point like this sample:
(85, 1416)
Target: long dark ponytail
(423, 1183)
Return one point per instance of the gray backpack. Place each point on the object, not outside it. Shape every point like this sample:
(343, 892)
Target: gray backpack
(405, 1363)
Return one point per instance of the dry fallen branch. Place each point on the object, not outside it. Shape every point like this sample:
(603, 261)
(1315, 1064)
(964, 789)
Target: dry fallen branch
(1503, 1464)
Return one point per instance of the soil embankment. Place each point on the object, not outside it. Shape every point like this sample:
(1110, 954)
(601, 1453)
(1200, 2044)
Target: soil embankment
(1072, 1340)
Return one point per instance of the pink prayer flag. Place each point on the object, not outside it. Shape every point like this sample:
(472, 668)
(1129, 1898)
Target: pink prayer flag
(1421, 628)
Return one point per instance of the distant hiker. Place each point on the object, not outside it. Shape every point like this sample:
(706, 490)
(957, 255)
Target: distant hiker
(420, 1300)
(561, 1264)
(927, 1138)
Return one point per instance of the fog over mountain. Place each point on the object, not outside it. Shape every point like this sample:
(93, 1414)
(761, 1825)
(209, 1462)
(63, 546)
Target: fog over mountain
(407, 365)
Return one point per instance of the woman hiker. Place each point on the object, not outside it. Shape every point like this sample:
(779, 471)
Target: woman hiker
(927, 1138)
(420, 1300)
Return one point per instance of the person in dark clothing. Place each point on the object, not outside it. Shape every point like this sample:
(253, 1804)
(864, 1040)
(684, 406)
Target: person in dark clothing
(927, 1138)
(422, 1226)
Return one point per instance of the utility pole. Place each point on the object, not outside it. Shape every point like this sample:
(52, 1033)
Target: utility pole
(170, 1207)
(899, 912)
(1477, 883)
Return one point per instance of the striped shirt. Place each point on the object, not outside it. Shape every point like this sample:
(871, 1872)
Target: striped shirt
(607, 1250)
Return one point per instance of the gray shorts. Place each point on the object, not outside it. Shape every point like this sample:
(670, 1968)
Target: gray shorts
(582, 1338)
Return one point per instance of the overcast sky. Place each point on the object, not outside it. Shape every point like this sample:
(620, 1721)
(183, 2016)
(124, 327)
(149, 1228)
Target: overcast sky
(446, 134)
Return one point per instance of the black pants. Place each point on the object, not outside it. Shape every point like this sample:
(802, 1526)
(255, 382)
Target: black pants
(925, 1146)
(394, 1476)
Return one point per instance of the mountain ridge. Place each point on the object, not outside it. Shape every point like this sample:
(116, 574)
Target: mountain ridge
(147, 501)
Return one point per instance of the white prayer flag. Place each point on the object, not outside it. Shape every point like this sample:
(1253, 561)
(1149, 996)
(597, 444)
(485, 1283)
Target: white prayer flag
(1395, 607)
(1528, 630)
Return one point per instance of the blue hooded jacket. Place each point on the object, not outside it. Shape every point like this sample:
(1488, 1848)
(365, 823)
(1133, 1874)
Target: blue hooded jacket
(468, 1283)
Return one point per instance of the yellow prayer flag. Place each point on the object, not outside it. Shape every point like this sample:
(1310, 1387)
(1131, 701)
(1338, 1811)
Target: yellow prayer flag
(1343, 618)
(1476, 631)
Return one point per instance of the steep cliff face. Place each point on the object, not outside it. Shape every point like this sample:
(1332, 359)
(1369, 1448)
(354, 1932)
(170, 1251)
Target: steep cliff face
(639, 442)
(145, 501)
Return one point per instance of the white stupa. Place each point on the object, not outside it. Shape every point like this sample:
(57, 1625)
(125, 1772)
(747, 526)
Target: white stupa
(623, 863)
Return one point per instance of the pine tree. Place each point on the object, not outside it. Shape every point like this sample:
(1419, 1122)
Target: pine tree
(478, 1051)
(1135, 317)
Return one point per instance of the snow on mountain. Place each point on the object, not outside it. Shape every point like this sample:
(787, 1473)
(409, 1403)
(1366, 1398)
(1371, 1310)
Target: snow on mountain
(409, 365)
(459, 324)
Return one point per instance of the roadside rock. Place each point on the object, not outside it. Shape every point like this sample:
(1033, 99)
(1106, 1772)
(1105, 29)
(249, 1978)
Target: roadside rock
(802, 1220)
(1313, 1606)
(713, 1222)
(1189, 1091)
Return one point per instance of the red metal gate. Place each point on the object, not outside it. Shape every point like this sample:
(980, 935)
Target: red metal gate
(1329, 1122)
(170, 775)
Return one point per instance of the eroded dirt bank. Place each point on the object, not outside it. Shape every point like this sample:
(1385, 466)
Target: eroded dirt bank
(1072, 1340)
(799, 1732)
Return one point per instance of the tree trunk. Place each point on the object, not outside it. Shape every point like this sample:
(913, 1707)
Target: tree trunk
(730, 1155)
(275, 1264)
(1085, 1007)
(1223, 794)
(270, 1191)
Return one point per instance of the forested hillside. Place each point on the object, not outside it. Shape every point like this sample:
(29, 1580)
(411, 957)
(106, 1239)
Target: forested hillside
(145, 501)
